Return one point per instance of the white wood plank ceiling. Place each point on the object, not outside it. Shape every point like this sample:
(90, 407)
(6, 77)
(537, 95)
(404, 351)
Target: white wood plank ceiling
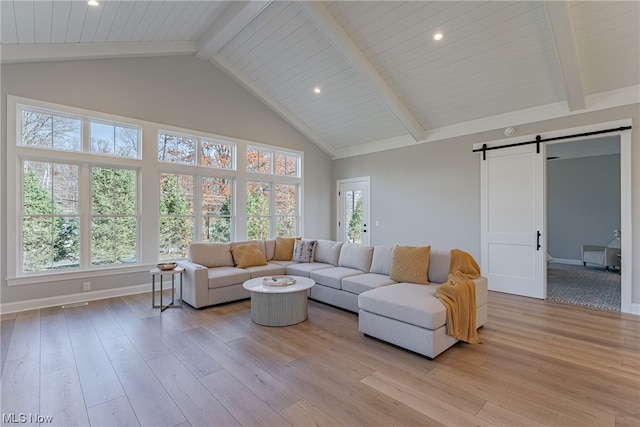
(384, 82)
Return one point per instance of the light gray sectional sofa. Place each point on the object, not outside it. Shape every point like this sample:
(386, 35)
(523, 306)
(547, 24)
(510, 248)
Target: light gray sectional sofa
(352, 277)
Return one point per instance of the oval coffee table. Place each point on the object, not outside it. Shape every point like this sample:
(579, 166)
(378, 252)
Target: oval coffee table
(278, 305)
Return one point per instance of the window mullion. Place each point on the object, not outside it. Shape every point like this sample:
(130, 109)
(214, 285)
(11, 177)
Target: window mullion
(85, 215)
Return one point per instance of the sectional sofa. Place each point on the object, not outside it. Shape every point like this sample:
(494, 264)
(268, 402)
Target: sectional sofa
(353, 277)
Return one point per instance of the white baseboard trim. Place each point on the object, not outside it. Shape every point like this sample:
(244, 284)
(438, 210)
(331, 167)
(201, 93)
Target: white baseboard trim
(38, 303)
(566, 261)
(635, 308)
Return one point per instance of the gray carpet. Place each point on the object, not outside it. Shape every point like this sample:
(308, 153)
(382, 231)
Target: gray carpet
(587, 286)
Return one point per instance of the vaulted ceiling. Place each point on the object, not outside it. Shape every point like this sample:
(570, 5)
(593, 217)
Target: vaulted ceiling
(383, 81)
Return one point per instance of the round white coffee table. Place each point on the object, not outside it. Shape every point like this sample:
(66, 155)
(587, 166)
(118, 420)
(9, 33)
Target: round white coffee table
(279, 305)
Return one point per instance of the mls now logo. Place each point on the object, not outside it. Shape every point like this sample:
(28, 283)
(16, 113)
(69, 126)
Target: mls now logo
(21, 418)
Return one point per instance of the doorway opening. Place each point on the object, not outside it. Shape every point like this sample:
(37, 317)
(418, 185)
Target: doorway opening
(583, 205)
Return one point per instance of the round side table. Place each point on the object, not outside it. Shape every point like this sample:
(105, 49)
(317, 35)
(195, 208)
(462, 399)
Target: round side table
(279, 305)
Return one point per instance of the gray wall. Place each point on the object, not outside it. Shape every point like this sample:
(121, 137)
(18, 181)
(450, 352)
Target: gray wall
(430, 193)
(181, 91)
(583, 203)
(426, 194)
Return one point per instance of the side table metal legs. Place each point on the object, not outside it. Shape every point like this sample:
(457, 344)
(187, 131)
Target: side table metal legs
(172, 304)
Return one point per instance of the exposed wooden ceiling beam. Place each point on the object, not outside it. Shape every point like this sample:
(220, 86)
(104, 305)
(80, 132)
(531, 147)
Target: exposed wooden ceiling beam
(352, 54)
(566, 47)
(237, 16)
(15, 53)
(219, 61)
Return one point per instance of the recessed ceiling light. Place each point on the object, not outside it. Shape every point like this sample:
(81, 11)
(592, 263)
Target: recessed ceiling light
(317, 89)
(438, 36)
(93, 3)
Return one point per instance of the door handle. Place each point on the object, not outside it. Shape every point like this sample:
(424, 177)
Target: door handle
(538, 242)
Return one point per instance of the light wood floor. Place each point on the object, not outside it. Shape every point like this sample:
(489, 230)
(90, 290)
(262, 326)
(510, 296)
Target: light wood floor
(118, 362)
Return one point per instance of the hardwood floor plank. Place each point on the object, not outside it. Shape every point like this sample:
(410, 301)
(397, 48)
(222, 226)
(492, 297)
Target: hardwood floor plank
(6, 330)
(99, 381)
(303, 413)
(381, 406)
(149, 400)
(257, 380)
(145, 341)
(25, 339)
(20, 386)
(241, 402)
(116, 412)
(61, 398)
(102, 320)
(433, 408)
(194, 400)
(530, 400)
(56, 351)
(504, 418)
(190, 355)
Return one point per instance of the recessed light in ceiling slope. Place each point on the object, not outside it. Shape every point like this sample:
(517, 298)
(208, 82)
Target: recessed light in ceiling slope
(438, 36)
(317, 89)
(93, 3)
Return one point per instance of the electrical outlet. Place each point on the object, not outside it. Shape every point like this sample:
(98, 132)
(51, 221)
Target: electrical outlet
(86, 286)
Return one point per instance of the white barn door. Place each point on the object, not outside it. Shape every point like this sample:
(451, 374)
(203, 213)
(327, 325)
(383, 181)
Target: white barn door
(513, 239)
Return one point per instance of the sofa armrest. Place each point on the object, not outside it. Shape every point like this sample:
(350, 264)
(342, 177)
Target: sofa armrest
(195, 287)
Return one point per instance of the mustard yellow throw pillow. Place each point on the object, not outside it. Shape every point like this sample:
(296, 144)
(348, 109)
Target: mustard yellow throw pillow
(248, 255)
(284, 248)
(410, 264)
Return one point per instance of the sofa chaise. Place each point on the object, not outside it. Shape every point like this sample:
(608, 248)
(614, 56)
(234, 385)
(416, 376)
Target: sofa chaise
(353, 277)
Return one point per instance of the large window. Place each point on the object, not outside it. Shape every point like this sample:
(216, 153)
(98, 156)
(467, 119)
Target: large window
(216, 209)
(114, 221)
(191, 150)
(272, 205)
(91, 195)
(176, 215)
(50, 220)
(50, 130)
(274, 162)
(65, 224)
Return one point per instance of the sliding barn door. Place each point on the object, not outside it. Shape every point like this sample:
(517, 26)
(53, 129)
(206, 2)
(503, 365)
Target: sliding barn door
(513, 247)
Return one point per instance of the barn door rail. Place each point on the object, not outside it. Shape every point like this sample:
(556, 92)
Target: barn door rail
(539, 139)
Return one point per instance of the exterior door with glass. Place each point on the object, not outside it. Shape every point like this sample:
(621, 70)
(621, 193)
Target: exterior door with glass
(353, 211)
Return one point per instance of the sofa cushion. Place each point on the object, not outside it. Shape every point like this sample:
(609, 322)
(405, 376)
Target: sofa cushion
(305, 268)
(328, 252)
(356, 256)
(303, 250)
(271, 269)
(382, 260)
(211, 254)
(248, 255)
(439, 263)
(284, 248)
(220, 277)
(406, 302)
(270, 248)
(260, 244)
(365, 282)
(410, 264)
(333, 276)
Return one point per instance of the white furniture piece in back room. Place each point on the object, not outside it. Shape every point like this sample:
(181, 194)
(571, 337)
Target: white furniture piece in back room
(279, 305)
(606, 256)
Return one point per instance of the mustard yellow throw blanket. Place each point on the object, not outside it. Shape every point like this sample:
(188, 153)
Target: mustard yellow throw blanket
(458, 295)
